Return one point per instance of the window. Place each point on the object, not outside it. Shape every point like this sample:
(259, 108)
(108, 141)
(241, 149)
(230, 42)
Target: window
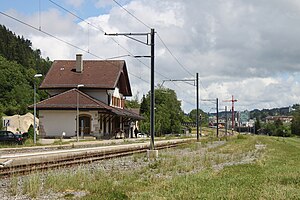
(117, 102)
(2, 134)
(122, 103)
(10, 135)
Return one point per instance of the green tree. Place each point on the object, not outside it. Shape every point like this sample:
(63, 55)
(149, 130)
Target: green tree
(145, 105)
(168, 113)
(257, 125)
(30, 132)
(269, 128)
(277, 128)
(16, 48)
(295, 126)
(18, 65)
(16, 91)
(204, 117)
(133, 103)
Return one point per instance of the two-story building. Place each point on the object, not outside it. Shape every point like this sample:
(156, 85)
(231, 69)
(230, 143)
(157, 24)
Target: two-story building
(94, 90)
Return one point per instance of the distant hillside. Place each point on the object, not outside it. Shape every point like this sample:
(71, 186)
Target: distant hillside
(18, 65)
(262, 114)
(18, 49)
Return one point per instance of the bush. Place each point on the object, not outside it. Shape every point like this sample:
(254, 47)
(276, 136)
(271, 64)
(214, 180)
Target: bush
(30, 132)
(278, 129)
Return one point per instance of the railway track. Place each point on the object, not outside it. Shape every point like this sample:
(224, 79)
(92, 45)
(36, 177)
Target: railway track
(24, 163)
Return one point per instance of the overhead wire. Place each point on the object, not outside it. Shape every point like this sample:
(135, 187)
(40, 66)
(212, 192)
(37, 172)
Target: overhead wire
(102, 30)
(175, 58)
(98, 28)
(61, 40)
(168, 49)
(179, 63)
(132, 14)
(158, 37)
(162, 41)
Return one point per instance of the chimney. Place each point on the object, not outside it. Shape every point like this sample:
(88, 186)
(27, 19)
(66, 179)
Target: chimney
(79, 63)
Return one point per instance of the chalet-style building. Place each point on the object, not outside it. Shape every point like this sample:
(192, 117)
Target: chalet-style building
(96, 89)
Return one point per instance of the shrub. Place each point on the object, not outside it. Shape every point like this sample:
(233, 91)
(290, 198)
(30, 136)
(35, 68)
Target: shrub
(30, 132)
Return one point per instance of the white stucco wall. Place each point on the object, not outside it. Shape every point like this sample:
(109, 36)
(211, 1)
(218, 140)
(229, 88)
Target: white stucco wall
(55, 122)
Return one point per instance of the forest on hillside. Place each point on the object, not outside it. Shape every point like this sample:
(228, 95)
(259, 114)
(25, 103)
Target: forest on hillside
(18, 65)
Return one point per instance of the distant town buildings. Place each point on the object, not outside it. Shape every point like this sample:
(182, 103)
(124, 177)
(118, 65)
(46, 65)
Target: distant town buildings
(283, 119)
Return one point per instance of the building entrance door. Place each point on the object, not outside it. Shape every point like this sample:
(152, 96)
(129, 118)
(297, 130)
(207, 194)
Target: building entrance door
(85, 125)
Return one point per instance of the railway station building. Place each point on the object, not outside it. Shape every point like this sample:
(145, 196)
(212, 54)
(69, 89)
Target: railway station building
(93, 91)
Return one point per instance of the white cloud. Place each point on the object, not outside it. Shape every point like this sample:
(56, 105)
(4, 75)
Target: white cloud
(249, 49)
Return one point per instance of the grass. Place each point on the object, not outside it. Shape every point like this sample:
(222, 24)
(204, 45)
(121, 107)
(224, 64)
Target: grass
(32, 185)
(193, 171)
(13, 188)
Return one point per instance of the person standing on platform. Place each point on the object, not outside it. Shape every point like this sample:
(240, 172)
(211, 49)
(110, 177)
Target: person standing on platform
(136, 132)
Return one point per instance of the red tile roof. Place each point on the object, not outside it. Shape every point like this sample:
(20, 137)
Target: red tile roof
(98, 74)
(68, 101)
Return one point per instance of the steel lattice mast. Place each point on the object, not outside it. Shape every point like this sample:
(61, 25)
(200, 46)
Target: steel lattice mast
(232, 109)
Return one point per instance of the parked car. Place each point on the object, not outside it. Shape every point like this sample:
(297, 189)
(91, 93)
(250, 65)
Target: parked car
(10, 137)
(25, 135)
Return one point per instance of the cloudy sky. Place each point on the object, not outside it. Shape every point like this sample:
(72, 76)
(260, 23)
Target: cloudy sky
(249, 49)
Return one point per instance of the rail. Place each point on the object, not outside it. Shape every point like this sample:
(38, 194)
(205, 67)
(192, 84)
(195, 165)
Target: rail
(28, 162)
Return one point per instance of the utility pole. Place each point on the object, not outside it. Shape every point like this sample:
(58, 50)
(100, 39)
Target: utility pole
(197, 98)
(152, 97)
(152, 102)
(226, 120)
(34, 108)
(232, 109)
(197, 113)
(239, 121)
(200, 124)
(217, 107)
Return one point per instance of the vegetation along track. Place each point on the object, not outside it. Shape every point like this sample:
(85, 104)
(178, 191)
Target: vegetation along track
(38, 161)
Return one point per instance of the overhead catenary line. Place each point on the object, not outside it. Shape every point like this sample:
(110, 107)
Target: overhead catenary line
(168, 49)
(87, 51)
(157, 35)
(61, 40)
(175, 58)
(102, 30)
(132, 14)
